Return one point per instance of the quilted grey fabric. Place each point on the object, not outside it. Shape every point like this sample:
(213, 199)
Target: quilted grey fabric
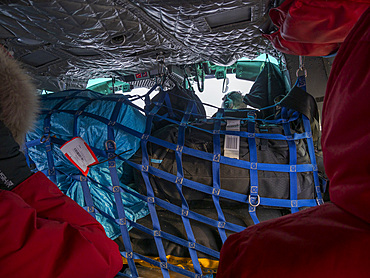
(63, 43)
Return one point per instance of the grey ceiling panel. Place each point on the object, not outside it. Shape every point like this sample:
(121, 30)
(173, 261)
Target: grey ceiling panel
(96, 38)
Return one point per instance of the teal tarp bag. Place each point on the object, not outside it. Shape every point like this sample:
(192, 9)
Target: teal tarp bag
(248, 70)
(86, 114)
(269, 85)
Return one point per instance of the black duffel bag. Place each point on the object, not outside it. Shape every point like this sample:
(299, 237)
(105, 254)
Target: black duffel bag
(200, 137)
(270, 184)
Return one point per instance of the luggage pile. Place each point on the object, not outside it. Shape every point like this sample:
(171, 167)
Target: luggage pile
(187, 182)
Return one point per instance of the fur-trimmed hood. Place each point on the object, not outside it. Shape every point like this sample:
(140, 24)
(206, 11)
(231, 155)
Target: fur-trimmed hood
(19, 103)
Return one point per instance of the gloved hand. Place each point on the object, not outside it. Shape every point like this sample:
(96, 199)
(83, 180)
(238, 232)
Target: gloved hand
(13, 165)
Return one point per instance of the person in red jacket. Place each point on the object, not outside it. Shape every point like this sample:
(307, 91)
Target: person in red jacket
(332, 240)
(43, 232)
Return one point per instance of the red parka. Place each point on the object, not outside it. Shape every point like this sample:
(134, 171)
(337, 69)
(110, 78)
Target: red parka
(45, 234)
(332, 240)
(314, 27)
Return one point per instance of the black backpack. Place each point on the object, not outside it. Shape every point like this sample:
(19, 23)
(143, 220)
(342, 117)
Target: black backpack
(175, 105)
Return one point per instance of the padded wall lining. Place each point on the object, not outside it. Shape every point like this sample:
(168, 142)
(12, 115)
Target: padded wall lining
(127, 35)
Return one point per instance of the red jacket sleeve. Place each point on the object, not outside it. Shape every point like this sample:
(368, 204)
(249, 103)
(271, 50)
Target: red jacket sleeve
(46, 234)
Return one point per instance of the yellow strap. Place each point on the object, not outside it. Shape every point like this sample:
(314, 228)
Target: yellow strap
(207, 265)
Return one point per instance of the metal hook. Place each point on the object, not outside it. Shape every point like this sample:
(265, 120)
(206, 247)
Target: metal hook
(160, 61)
(258, 201)
(301, 67)
(162, 69)
(110, 144)
(113, 82)
(44, 138)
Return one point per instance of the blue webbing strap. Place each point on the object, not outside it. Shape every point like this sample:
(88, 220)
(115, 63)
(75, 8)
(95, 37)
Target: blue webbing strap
(46, 136)
(311, 151)
(243, 134)
(205, 188)
(170, 237)
(205, 155)
(110, 147)
(292, 162)
(29, 161)
(49, 155)
(32, 143)
(147, 96)
(165, 235)
(254, 198)
(25, 150)
(78, 114)
(216, 179)
(194, 112)
(301, 83)
(150, 193)
(202, 188)
(86, 191)
(199, 217)
(287, 203)
(169, 106)
(75, 92)
(133, 132)
(88, 199)
(170, 267)
(179, 241)
(209, 156)
(147, 101)
(179, 178)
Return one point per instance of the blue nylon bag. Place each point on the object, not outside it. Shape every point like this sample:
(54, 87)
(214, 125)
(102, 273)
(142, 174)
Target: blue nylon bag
(94, 131)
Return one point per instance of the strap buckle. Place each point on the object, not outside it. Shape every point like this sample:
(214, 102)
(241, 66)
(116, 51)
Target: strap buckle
(44, 138)
(258, 201)
(110, 145)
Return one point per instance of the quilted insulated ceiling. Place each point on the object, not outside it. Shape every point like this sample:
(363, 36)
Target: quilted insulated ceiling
(64, 43)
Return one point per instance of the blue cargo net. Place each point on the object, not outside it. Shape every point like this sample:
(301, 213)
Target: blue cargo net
(139, 214)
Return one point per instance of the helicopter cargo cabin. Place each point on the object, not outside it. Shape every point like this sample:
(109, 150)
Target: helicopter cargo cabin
(184, 138)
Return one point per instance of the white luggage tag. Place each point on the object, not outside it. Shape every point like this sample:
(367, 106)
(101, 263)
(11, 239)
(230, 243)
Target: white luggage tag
(80, 154)
(232, 142)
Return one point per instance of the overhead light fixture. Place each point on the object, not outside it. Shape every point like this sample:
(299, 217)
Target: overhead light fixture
(76, 51)
(38, 58)
(118, 39)
(30, 42)
(231, 17)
